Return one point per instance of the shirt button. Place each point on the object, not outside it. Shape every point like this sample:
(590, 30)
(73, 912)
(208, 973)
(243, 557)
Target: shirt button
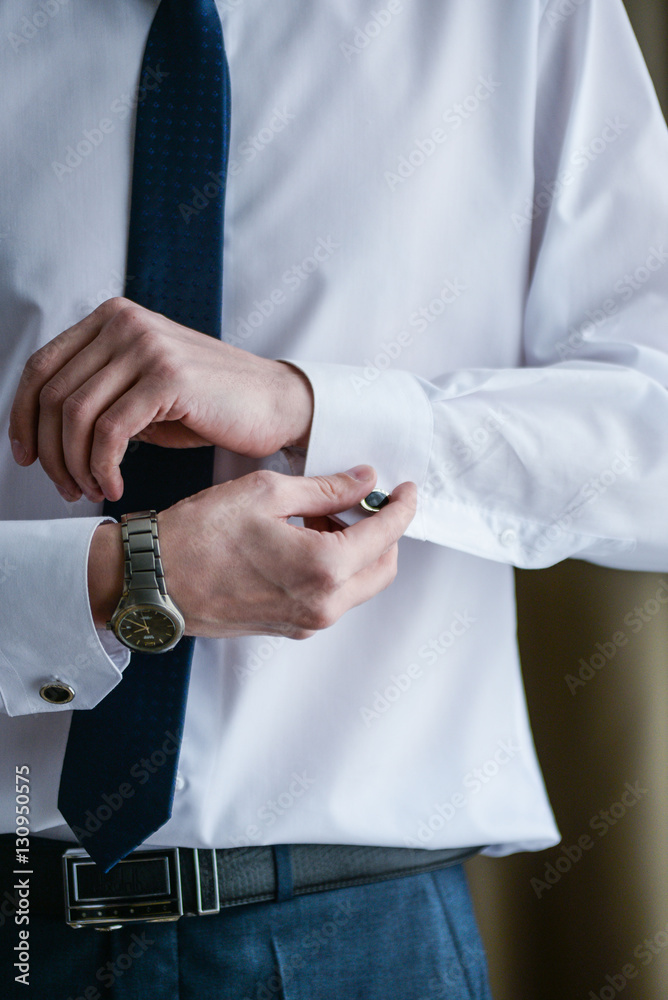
(56, 693)
(180, 782)
(508, 537)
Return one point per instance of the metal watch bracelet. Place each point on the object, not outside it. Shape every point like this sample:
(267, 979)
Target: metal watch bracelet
(141, 552)
(146, 619)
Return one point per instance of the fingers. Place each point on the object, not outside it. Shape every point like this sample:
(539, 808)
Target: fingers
(84, 395)
(325, 603)
(366, 540)
(124, 419)
(79, 418)
(334, 571)
(353, 549)
(326, 597)
(238, 566)
(342, 553)
(39, 370)
(69, 405)
(321, 524)
(368, 582)
(313, 498)
(317, 496)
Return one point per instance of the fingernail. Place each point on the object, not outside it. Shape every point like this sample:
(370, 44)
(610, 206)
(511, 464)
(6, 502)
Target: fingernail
(360, 472)
(65, 495)
(19, 452)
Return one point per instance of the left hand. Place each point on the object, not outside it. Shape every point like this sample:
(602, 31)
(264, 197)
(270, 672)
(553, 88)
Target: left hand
(125, 373)
(235, 565)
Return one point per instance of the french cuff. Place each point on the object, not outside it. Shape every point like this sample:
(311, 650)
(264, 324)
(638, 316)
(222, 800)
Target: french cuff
(386, 422)
(514, 540)
(56, 659)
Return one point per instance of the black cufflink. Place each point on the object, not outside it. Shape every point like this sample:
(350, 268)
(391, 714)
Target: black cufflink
(56, 693)
(374, 501)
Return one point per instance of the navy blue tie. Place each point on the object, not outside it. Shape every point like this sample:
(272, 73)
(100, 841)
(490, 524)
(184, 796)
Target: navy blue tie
(117, 783)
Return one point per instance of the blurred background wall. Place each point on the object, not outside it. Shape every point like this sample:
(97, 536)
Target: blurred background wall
(588, 920)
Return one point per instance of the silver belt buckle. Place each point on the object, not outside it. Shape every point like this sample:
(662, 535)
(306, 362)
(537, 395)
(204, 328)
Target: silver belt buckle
(145, 886)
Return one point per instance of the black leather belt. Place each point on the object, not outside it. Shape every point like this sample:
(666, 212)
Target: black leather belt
(168, 883)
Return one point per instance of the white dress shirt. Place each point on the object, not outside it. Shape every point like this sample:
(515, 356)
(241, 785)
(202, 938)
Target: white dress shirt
(452, 217)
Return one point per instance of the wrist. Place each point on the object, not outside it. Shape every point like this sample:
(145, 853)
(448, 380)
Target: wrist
(105, 572)
(297, 403)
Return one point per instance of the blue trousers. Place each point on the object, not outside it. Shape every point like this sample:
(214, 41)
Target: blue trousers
(409, 938)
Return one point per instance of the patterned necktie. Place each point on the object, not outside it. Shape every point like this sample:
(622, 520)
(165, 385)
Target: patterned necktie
(117, 783)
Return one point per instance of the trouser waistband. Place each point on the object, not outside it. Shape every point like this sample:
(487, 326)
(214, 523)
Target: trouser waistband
(161, 884)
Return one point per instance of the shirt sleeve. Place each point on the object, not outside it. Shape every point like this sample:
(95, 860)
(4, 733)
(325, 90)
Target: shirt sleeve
(566, 455)
(47, 631)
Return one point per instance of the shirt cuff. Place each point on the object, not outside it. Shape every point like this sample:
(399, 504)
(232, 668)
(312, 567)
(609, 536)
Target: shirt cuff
(47, 633)
(386, 422)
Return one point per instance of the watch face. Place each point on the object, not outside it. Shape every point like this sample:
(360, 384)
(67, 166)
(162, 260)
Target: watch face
(147, 629)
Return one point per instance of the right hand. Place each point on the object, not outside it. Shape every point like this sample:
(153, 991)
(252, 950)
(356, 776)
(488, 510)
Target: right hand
(234, 566)
(125, 372)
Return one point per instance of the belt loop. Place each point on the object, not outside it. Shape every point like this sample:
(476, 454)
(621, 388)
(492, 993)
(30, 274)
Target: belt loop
(283, 866)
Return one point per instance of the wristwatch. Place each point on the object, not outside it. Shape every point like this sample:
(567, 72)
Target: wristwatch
(146, 620)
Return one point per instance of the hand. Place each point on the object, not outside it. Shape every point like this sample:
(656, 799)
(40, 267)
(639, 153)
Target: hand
(127, 373)
(234, 566)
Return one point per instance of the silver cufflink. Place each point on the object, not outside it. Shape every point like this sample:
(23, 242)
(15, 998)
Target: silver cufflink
(56, 693)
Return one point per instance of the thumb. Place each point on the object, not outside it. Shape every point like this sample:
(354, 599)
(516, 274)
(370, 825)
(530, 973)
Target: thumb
(320, 495)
